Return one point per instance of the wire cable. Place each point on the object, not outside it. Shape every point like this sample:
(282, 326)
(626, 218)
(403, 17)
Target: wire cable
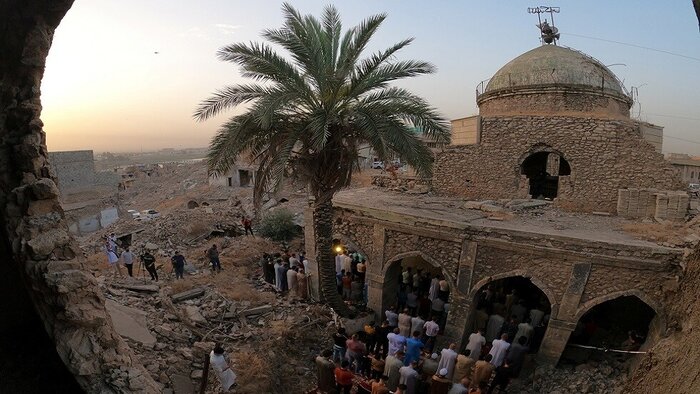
(636, 46)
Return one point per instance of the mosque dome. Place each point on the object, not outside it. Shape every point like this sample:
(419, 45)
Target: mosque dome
(551, 68)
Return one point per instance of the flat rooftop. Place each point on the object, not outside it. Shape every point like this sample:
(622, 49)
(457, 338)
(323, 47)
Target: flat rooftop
(451, 213)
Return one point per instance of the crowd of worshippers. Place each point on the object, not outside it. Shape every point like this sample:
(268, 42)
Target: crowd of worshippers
(397, 356)
(288, 272)
(350, 270)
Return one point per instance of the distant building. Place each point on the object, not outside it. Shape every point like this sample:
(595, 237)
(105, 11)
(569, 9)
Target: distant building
(75, 170)
(238, 176)
(688, 167)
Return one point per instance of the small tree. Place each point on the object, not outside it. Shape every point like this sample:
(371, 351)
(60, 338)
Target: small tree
(279, 226)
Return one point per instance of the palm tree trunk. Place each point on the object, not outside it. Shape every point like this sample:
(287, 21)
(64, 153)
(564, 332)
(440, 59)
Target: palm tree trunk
(323, 242)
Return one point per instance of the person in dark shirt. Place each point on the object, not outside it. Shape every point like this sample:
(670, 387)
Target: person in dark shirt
(339, 344)
(150, 263)
(178, 265)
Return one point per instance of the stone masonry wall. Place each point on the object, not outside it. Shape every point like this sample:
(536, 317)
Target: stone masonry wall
(35, 238)
(75, 170)
(604, 155)
(554, 101)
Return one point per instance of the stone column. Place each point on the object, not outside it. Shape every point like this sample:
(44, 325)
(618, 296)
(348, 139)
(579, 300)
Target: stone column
(460, 304)
(554, 341)
(375, 277)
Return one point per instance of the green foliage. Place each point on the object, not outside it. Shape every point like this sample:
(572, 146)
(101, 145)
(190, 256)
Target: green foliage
(279, 226)
(310, 109)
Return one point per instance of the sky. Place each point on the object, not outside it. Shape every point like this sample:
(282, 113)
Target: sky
(106, 88)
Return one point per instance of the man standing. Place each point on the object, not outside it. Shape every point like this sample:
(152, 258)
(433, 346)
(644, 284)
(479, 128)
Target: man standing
(339, 344)
(392, 317)
(409, 376)
(431, 330)
(361, 270)
(247, 225)
(292, 281)
(355, 350)
(278, 272)
(498, 350)
(347, 286)
(448, 358)
(392, 368)
(482, 371)
(417, 324)
(324, 370)
(438, 308)
(213, 255)
(413, 348)
(460, 387)
(464, 367)
(128, 259)
(343, 378)
(440, 384)
(525, 330)
(150, 263)
(397, 342)
(302, 287)
(476, 342)
(516, 356)
(178, 261)
(493, 328)
(405, 323)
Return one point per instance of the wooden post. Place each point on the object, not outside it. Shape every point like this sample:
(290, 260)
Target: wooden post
(205, 375)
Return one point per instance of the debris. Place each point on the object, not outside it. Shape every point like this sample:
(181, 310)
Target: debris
(130, 322)
(256, 311)
(188, 295)
(195, 315)
(138, 288)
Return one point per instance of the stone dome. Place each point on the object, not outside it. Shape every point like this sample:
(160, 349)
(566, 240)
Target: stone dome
(552, 66)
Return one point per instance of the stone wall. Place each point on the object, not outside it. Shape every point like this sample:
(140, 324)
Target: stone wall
(604, 155)
(36, 244)
(75, 170)
(575, 274)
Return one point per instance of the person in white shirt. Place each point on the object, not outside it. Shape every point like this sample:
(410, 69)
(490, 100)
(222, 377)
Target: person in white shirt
(448, 358)
(392, 317)
(431, 329)
(536, 316)
(525, 330)
(476, 342)
(226, 376)
(417, 324)
(128, 259)
(499, 348)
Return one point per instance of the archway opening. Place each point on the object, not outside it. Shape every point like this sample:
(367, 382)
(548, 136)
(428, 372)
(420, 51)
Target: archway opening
(412, 283)
(543, 170)
(514, 306)
(622, 325)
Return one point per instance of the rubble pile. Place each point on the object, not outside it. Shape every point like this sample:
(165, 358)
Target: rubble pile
(270, 339)
(603, 377)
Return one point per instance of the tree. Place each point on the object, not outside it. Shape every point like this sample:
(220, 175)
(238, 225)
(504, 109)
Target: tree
(309, 112)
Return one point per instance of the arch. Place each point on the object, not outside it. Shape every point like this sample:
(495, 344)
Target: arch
(351, 245)
(551, 297)
(590, 304)
(542, 165)
(428, 259)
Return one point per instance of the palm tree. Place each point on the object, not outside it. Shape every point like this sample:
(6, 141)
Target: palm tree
(309, 111)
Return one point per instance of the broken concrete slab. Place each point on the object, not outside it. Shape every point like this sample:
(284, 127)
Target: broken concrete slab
(138, 288)
(195, 315)
(130, 322)
(256, 311)
(182, 384)
(473, 205)
(188, 295)
(528, 204)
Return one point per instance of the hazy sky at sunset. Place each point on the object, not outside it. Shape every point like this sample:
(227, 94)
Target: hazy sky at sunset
(105, 89)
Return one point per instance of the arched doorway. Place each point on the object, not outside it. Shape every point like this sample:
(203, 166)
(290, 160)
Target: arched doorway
(543, 170)
(513, 305)
(407, 281)
(622, 323)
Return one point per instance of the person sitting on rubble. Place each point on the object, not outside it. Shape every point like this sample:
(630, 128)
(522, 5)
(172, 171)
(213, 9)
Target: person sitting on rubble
(226, 376)
(150, 263)
(178, 261)
(213, 255)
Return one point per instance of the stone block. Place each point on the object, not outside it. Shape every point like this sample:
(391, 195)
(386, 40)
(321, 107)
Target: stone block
(188, 294)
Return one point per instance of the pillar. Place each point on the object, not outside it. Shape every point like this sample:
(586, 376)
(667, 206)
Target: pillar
(375, 269)
(555, 340)
(310, 245)
(460, 304)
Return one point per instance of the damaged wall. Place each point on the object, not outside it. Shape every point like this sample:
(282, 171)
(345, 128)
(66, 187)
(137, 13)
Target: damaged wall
(38, 247)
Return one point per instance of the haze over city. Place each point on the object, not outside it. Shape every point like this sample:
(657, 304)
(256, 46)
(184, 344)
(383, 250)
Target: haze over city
(127, 75)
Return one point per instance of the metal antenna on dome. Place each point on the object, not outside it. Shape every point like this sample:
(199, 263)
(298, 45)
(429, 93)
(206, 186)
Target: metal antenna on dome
(549, 34)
